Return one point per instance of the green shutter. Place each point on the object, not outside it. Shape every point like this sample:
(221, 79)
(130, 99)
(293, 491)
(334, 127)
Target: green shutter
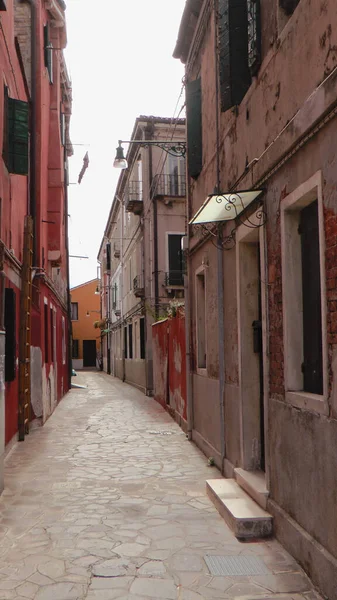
(194, 127)
(235, 77)
(18, 136)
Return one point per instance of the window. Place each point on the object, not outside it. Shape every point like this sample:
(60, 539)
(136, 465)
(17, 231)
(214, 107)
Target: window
(75, 349)
(125, 342)
(52, 333)
(175, 260)
(142, 337)
(288, 6)
(254, 35)
(303, 287)
(201, 319)
(130, 341)
(234, 75)
(194, 127)
(74, 311)
(3, 5)
(108, 256)
(177, 180)
(48, 53)
(15, 150)
(10, 339)
(63, 128)
(46, 336)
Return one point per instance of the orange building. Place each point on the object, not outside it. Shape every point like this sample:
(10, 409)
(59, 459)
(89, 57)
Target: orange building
(85, 310)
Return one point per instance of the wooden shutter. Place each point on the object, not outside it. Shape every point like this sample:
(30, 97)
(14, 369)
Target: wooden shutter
(48, 52)
(235, 77)
(10, 327)
(194, 127)
(17, 137)
(108, 257)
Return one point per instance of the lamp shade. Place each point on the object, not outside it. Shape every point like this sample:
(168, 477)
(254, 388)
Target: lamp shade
(120, 161)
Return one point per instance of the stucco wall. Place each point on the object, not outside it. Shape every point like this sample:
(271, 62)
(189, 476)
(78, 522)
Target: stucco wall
(135, 372)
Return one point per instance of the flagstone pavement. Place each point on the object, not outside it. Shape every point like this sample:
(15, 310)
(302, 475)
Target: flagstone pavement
(107, 500)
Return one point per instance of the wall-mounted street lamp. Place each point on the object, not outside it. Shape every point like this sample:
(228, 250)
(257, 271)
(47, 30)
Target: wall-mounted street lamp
(173, 148)
(92, 311)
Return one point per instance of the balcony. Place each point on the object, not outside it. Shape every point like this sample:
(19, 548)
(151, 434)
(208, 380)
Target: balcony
(170, 186)
(138, 286)
(174, 279)
(134, 198)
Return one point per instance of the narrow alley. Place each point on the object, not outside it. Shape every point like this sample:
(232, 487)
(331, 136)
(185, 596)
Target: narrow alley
(108, 500)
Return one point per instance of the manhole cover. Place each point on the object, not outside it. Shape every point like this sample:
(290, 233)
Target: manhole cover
(235, 566)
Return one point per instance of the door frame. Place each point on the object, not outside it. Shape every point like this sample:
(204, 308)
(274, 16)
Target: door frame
(248, 362)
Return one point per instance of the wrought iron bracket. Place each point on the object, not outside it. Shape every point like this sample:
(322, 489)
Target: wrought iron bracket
(174, 149)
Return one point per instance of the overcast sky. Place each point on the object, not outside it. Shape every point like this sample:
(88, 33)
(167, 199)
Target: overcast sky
(119, 57)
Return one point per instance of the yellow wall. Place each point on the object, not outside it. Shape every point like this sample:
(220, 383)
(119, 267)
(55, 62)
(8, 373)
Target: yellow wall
(87, 300)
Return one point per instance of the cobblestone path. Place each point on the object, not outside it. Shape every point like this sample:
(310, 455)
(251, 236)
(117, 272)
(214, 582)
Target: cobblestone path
(108, 500)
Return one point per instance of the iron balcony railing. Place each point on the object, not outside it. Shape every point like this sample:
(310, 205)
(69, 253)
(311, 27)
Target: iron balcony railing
(138, 286)
(174, 278)
(134, 197)
(173, 185)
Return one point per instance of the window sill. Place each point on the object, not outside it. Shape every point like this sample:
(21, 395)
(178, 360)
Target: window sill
(202, 371)
(311, 402)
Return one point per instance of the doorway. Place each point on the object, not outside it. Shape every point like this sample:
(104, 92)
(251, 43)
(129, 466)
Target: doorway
(89, 353)
(252, 351)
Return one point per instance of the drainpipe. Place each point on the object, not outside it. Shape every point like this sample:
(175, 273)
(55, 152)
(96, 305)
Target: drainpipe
(221, 302)
(155, 232)
(33, 161)
(70, 333)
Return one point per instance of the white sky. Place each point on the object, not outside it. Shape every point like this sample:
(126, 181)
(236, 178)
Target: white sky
(119, 57)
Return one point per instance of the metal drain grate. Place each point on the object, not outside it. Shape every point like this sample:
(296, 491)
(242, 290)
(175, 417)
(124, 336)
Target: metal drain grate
(235, 566)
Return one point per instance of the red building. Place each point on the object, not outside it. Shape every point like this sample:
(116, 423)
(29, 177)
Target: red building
(35, 105)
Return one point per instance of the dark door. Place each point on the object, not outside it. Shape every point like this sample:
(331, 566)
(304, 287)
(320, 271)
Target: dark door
(312, 366)
(175, 260)
(258, 349)
(89, 353)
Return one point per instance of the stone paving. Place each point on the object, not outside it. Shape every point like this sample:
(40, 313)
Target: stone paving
(108, 501)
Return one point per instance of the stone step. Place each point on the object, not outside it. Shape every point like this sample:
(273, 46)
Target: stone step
(254, 483)
(246, 518)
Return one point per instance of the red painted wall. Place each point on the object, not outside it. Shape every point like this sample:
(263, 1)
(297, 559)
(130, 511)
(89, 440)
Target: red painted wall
(169, 365)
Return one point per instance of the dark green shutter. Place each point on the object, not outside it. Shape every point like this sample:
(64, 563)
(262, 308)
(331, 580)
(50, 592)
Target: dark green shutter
(235, 77)
(194, 127)
(10, 339)
(48, 52)
(17, 136)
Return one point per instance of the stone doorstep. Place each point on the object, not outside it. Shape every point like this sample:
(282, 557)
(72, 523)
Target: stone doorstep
(246, 518)
(254, 483)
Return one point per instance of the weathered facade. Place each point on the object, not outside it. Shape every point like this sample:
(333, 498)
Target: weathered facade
(140, 255)
(35, 106)
(261, 115)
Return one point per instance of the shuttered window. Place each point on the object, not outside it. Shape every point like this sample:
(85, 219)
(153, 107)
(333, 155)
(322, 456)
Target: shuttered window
(254, 35)
(10, 339)
(108, 256)
(48, 53)
(234, 75)
(194, 127)
(15, 150)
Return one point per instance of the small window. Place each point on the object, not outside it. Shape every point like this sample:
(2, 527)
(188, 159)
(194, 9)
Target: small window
(63, 128)
(3, 5)
(48, 53)
(142, 337)
(108, 256)
(74, 311)
(201, 320)
(176, 260)
(75, 349)
(130, 341)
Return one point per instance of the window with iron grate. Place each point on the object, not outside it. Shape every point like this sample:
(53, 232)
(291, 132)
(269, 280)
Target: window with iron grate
(254, 35)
